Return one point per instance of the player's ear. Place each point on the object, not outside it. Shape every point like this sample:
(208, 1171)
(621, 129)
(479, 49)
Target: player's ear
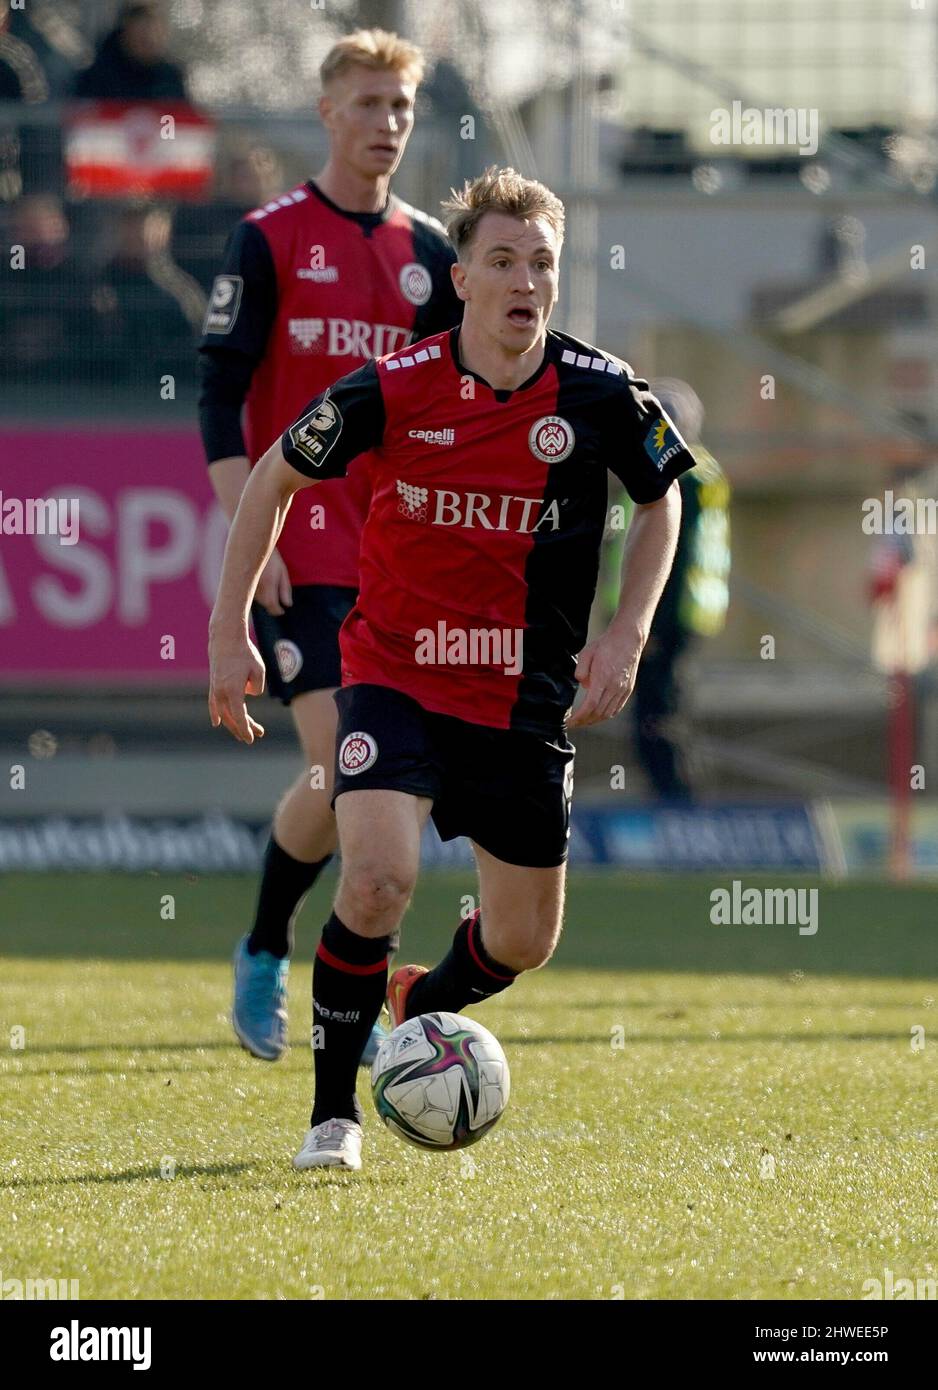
(458, 274)
(324, 107)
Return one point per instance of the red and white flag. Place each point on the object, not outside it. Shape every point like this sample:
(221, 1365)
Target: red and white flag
(120, 149)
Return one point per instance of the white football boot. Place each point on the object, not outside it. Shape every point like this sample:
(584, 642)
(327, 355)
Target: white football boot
(332, 1144)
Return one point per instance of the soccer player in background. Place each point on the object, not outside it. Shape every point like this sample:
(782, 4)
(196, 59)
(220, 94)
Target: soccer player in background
(491, 445)
(334, 272)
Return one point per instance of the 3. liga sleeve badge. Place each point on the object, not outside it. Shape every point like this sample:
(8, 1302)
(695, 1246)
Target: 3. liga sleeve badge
(224, 303)
(551, 439)
(357, 753)
(314, 433)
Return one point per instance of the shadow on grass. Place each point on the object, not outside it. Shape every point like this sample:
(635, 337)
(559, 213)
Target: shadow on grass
(209, 1170)
(313, 1178)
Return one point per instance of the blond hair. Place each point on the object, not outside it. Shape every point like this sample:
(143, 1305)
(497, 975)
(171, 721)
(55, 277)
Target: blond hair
(375, 49)
(498, 190)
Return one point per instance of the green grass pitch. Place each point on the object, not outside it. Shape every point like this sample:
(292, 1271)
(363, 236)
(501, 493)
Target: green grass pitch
(697, 1111)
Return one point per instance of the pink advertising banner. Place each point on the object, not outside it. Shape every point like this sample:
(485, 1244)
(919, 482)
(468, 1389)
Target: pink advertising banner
(110, 550)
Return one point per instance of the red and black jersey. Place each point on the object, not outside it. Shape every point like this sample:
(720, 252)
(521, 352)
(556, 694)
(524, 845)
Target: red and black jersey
(307, 292)
(487, 514)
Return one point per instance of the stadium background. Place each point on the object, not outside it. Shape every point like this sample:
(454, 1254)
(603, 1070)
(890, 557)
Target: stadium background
(725, 265)
(699, 1111)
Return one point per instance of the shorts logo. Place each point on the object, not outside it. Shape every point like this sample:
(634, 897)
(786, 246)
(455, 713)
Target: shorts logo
(413, 503)
(289, 659)
(314, 433)
(357, 753)
(223, 304)
(551, 439)
(416, 285)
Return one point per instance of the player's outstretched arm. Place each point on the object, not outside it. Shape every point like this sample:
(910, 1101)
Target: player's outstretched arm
(607, 667)
(235, 667)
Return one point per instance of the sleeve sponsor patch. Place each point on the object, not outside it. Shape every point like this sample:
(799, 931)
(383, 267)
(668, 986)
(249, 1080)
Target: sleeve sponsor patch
(224, 303)
(316, 432)
(663, 443)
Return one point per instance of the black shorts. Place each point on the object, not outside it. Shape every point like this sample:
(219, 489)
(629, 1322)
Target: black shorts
(301, 647)
(508, 791)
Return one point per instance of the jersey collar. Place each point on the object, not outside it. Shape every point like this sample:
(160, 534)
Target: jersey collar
(364, 219)
(501, 396)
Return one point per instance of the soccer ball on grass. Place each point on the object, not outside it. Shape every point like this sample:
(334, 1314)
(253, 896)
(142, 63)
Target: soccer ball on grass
(440, 1080)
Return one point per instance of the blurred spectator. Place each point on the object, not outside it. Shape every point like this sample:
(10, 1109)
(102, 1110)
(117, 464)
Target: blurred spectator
(40, 51)
(47, 299)
(249, 175)
(694, 600)
(131, 62)
(21, 74)
(150, 310)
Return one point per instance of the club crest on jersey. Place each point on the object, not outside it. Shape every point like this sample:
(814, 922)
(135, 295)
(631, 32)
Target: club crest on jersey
(551, 439)
(416, 285)
(224, 303)
(289, 659)
(357, 753)
(314, 433)
(662, 442)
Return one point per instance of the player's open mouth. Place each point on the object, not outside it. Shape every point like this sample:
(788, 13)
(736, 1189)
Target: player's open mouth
(383, 149)
(522, 317)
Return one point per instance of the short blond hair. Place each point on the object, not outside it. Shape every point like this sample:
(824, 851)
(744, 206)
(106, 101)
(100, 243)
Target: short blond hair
(498, 190)
(375, 49)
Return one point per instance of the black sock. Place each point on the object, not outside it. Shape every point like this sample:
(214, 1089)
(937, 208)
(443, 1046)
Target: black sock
(466, 976)
(350, 976)
(285, 881)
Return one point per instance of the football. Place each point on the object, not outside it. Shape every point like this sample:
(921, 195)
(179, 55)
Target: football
(440, 1080)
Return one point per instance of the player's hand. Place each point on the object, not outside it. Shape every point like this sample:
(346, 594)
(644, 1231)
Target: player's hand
(606, 670)
(274, 590)
(235, 670)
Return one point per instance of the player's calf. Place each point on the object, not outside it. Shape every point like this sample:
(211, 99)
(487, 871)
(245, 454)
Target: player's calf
(468, 974)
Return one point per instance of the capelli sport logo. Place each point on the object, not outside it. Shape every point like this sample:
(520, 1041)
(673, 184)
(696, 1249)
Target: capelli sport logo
(662, 443)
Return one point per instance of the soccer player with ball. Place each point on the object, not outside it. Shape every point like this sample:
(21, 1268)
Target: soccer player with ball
(490, 449)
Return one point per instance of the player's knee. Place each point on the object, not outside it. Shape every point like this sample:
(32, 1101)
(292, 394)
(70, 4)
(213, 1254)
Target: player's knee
(529, 952)
(377, 890)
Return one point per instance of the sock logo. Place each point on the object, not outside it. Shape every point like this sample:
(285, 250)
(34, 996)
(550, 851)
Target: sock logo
(357, 753)
(337, 1015)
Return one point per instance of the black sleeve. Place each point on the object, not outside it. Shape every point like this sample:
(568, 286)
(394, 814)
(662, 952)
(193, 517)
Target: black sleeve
(339, 424)
(444, 307)
(241, 310)
(641, 445)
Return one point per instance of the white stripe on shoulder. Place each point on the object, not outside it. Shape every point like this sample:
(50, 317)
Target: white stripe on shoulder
(427, 354)
(286, 200)
(596, 361)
